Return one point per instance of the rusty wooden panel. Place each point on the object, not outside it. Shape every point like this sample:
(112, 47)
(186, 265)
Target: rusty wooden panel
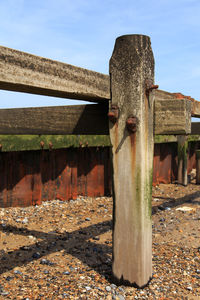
(193, 146)
(162, 164)
(30, 177)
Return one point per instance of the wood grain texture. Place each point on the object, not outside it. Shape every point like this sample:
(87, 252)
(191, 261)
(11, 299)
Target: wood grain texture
(195, 109)
(23, 72)
(76, 119)
(172, 116)
(131, 65)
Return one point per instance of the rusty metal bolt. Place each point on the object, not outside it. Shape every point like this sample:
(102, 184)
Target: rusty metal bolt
(42, 144)
(153, 87)
(113, 114)
(131, 124)
(50, 145)
(149, 86)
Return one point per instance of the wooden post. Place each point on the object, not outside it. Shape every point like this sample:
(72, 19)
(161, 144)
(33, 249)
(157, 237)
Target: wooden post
(197, 166)
(182, 160)
(131, 132)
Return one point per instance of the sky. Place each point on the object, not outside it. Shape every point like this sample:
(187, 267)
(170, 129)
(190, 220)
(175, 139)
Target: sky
(83, 33)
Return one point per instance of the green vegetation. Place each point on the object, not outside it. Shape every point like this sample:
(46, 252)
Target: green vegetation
(38, 142)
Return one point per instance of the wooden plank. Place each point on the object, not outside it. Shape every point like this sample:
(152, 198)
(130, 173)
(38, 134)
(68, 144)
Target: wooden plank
(195, 109)
(197, 166)
(160, 139)
(23, 72)
(76, 119)
(9, 143)
(182, 159)
(172, 116)
(195, 128)
(131, 133)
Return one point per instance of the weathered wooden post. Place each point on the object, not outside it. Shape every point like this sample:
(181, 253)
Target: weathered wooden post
(131, 132)
(197, 166)
(182, 159)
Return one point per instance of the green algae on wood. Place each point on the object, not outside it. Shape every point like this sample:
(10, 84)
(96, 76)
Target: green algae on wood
(38, 142)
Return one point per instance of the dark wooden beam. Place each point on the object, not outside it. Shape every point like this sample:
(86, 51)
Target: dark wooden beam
(195, 128)
(23, 72)
(76, 119)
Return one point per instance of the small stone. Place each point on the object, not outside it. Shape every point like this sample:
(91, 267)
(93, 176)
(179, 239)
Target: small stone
(189, 288)
(31, 237)
(113, 286)
(18, 272)
(96, 238)
(36, 255)
(66, 273)
(88, 288)
(4, 293)
(121, 289)
(198, 271)
(87, 219)
(46, 262)
(25, 221)
(108, 288)
(120, 297)
(9, 278)
(167, 208)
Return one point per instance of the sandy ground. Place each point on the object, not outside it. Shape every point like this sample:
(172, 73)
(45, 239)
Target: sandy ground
(63, 250)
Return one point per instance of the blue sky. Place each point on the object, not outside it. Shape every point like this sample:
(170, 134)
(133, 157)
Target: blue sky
(83, 33)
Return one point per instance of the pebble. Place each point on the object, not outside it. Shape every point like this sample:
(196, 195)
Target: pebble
(18, 272)
(66, 273)
(113, 286)
(82, 265)
(87, 219)
(36, 255)
(108, 288)
(120, 297)
(25, 221)
(46, 262)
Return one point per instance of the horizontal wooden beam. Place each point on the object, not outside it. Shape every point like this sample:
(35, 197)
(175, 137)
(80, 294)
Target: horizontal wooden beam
(14, 142)
(48, 142)
(23, 72)
(76, 119)
(172, 116)
(195, 109)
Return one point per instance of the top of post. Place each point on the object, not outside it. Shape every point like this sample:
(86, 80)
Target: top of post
(132, 49)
